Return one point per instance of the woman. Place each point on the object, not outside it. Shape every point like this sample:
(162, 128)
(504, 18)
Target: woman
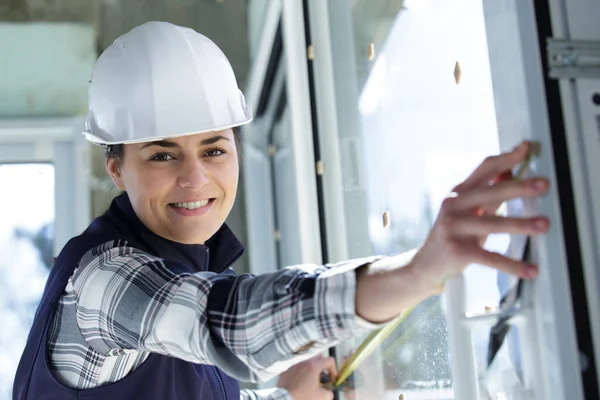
(144, 303)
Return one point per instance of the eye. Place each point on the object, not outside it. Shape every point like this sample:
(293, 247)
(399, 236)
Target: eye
(214, 152)
(162, 157)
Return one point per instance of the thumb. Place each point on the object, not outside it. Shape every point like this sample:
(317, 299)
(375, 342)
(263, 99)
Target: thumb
(326, 363)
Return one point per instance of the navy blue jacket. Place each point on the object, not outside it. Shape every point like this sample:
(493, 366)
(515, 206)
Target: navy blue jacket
(159, 377)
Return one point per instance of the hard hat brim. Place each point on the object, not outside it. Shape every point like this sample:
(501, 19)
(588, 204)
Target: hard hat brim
(103, 141)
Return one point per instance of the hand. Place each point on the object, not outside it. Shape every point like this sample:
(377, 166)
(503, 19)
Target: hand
(389, 285)
(302, 380)
(468, 216)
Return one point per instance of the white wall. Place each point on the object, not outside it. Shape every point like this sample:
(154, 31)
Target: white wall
(45, 68)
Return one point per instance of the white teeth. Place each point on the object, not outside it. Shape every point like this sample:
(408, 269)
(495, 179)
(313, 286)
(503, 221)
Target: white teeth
(192, 205)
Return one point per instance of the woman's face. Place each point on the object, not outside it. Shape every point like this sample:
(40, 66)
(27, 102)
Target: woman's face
(182, 188)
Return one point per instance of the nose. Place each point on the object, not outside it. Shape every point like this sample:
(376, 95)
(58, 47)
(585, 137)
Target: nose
(193, 174)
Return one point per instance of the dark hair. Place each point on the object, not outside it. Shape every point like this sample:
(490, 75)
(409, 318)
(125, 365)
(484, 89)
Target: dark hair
(116, 150)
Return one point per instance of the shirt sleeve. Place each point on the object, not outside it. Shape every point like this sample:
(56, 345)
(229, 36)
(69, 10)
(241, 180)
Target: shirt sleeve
(265, 394)
(252, 327)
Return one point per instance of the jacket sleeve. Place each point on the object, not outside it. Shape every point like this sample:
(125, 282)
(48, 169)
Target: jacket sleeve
(252, 327)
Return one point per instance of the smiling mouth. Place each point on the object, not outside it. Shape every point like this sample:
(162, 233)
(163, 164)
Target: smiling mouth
(193, 205)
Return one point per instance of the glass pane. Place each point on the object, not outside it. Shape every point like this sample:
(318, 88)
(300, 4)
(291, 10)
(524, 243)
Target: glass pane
(26, 234)
(424, 108)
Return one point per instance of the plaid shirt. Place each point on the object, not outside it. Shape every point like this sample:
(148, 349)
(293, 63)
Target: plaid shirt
(121, 304)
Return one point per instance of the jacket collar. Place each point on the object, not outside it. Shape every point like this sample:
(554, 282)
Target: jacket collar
(216, 255)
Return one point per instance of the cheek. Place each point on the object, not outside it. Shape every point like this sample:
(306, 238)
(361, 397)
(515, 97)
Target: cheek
(228, 175)
(233, 177)
(143, 183)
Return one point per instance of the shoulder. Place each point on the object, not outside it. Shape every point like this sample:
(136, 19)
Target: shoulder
(120, 263)
(114, 260)
(112, 251)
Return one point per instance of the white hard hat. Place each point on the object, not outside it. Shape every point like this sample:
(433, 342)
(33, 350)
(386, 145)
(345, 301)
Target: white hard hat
(160, 81)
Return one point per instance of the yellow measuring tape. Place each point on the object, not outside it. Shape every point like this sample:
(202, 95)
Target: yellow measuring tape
(367, 347)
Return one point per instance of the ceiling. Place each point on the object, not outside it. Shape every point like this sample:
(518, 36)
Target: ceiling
(224, 21)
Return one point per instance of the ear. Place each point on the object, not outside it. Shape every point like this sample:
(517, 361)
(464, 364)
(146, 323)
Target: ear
(113, 167)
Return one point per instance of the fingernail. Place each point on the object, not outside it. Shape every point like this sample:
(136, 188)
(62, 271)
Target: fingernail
(540, 224)
(540, 184)
(521, 146)
(531, 271)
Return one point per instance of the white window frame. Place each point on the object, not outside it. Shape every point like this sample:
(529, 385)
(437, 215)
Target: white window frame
(260, 227)
(548, 342)
(257, 177)
(578, 20)
(548, 338)
(258, 184)
(553, 362)
(57, 141)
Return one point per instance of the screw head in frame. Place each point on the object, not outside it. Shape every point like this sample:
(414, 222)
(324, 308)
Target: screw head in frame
(457, 72)
(320, 168)
(386, 219)
(371, 52)
(310, 52)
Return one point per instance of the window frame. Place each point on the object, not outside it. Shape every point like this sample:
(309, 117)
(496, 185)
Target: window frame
(553, 300)
(550, 327)
(58, 141)
(282, 18)
(577, 20)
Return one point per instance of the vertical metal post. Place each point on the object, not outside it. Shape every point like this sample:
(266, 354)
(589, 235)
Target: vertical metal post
(460, 339)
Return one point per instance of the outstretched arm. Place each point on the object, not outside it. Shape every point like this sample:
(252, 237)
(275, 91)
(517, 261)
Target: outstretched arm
(253, 328)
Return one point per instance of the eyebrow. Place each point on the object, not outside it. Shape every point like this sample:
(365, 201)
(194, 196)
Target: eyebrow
(169, 144)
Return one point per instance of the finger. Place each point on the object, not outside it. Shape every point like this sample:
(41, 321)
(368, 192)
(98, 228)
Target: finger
(492, 166)
(488, 224)
(326, 394)
(495, 195)
(503, 176)
(501, 263)
(326, 364)
(493, 208)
